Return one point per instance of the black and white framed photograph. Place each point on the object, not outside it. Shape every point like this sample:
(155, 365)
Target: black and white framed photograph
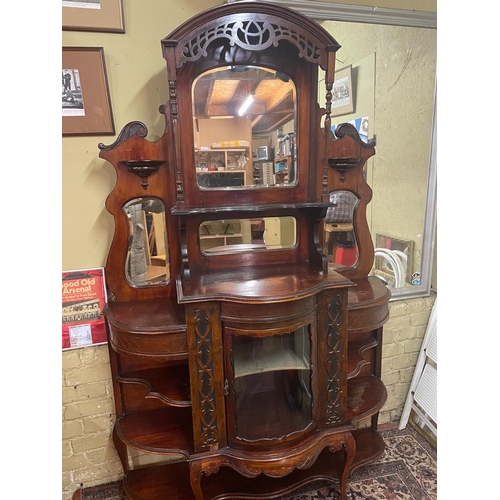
(86, 103)
(72, 97)
(342, 96)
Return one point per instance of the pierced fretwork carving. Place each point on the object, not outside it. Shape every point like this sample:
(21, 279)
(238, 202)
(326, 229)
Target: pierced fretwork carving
(250, 35)
(334, 344)
(205, 373)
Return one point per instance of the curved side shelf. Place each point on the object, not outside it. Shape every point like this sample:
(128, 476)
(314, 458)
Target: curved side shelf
(170, 384)
(155, 328)
(368, 304)
(166, 431)
(369, 446)
(355, 358)
(365, 397)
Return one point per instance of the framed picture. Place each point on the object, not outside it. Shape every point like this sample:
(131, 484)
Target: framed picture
(342, 96)
(83, 298)
(86, 105)
(93, 15)
(402, 248)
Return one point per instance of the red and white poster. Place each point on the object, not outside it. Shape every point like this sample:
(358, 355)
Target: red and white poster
(83, 299)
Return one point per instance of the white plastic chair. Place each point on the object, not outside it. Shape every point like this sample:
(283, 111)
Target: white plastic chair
(404, 260)
(395, 263)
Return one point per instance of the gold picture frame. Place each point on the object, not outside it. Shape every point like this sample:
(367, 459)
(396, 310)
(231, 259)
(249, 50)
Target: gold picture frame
(342, 96)
(93, 15)
(86, 104)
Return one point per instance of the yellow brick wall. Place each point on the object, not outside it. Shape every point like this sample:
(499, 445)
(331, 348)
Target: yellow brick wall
(89, 457)
(403, 335)
(88, 454)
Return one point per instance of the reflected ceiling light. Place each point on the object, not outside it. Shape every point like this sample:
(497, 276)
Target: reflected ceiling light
(246, 104)
(238, 69)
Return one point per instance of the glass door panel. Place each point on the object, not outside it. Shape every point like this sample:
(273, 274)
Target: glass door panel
(272, 384)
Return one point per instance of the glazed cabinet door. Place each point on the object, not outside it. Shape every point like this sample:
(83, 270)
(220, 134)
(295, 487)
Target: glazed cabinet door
(269, 384)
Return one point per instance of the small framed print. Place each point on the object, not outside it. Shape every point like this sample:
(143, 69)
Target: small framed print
(93, 15)
(86, 104)
(342, 96)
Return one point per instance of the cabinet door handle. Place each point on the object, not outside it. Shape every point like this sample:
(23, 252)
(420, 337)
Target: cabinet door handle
(226, 387)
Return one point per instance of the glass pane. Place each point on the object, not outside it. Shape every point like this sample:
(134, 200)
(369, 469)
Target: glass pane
(340, 241)
(272, 384)
(147, 257)
(244, 128)
(394, 261)
(243, 235)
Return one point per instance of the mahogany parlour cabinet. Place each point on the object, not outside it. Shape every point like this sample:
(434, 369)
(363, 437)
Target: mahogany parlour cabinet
(245, 359)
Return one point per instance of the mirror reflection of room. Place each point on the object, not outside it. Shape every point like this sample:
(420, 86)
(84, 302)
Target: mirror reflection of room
(244, 235)
(398, 65)
(244, 128)
(147, 255)
(340, 244)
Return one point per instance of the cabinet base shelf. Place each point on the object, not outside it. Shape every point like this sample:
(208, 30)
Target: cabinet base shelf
(172, 480)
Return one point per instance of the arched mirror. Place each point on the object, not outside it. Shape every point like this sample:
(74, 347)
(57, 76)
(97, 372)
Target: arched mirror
(388, 62)
(244, 128)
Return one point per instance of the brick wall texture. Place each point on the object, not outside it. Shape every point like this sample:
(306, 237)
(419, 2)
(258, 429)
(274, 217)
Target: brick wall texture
(88, 454)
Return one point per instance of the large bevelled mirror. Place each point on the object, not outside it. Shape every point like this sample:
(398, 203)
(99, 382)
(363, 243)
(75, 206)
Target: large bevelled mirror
(389, 58)
(244, 128)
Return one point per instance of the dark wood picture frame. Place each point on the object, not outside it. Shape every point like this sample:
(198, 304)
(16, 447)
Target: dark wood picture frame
(86, 102)
(108, 18)
(343, 98)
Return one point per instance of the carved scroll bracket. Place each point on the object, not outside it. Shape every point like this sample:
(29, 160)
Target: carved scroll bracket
(135, 128)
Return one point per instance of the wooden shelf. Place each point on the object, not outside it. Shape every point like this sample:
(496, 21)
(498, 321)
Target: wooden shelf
(365, 397)
(355, 358)
(147, 316)
(165, 431)
(156, 328)
(172, 481)
(168, 384)
(280, 282)
(282, 359)
(169, 430)
(369, 292)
